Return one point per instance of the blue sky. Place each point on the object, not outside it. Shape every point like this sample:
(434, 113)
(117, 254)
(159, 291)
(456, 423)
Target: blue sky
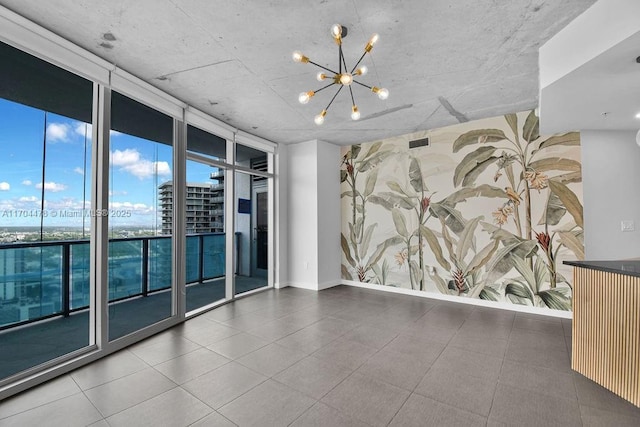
(137, 166)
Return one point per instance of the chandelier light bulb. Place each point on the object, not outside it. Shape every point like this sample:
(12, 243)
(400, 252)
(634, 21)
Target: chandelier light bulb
(374, 38)
(321, 76)
(355, 114)
(361, 71)
(336, 31)
(319, 119)
(381, 92)
(346, 79)
(299, 57)
(304, 97)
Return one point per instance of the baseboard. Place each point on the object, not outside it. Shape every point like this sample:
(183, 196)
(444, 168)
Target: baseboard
(281, 285)
(463, 300)
(329, 284)
(315, 287)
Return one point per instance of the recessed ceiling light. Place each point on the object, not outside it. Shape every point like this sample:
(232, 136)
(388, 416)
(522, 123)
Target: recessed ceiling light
(638, 116)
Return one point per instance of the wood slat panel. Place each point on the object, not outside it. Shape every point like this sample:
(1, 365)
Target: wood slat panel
(606, 330)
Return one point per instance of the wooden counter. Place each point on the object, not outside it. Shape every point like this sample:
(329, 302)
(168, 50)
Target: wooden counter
(606, 325)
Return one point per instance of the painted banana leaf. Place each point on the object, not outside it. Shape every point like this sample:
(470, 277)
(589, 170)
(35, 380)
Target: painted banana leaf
(441, 284)
(531, 128)
(448, 213)
(556, 164)
(567, 139)
(345, 272)
(380, 249)
(370, 183)
(568, 178)
(400, 223)
(478, 136)
(574, 241)
(519, 293)
(502, 262)
(557, 299)
(381, 272)
(434, 245)
(488, 293)
(481, 258)
(467, 239)
(484, 190)
(554, 211)
(390, 201)
(569, 200)
(468, 167)
(415, 177)
(352, 153)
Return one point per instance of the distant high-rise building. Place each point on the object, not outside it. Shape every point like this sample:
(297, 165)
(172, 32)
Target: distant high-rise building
(205, 206)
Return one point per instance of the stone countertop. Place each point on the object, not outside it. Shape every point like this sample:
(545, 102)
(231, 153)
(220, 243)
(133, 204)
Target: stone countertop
(629, 267)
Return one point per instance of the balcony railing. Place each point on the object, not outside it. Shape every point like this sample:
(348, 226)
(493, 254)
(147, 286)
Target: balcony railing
(45, 279)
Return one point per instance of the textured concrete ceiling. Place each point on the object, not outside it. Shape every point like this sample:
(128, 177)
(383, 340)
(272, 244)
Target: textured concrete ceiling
(442, 61)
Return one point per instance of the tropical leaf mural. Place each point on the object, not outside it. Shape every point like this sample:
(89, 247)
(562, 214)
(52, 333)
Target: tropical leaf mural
(457, 217)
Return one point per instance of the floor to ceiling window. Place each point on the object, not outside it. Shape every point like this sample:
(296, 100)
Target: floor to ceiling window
(251, 219)
(140, 216)
(45, 164)
(204, 218)
(93, 253)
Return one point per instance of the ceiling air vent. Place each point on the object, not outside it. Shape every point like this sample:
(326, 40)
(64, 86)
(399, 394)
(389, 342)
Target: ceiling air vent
(424, 142)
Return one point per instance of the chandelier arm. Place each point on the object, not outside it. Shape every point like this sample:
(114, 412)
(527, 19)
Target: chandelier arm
(359, 61)
(340, 58)
(362, 84)
(324, 87)
(353, 101)
(334, 97)
(324, 68)
(343, 60)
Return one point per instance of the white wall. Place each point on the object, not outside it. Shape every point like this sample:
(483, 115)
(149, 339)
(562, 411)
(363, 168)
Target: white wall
(611, 182)
(282, 216)
(303, 214)
(313, 214)
(599, 28)
(329, 216)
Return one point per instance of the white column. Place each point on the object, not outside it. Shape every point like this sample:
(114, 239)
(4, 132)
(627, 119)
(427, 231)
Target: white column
(314, 215)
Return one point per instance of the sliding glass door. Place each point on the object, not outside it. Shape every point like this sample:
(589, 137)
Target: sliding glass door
(252, 219)
(45, 196)
(140, 216)
(205, 219)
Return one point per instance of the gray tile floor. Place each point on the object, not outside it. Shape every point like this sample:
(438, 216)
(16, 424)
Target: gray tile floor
(341, 357)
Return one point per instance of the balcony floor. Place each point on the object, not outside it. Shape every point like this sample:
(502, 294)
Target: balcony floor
(342, 356)
(35, 343)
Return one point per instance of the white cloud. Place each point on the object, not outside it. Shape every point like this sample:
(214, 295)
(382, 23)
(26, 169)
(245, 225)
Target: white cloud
(78, 170)
(5, 186)
(145, 169)
(124, 157)
(130, 161)
(58, 132)
(138, 208)
(79, 128)
(27, 182)
(52, 186)
(30, 199)
(118, 193)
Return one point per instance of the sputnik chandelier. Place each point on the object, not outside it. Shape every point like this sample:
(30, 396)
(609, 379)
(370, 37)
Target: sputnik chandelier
(343, 77)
